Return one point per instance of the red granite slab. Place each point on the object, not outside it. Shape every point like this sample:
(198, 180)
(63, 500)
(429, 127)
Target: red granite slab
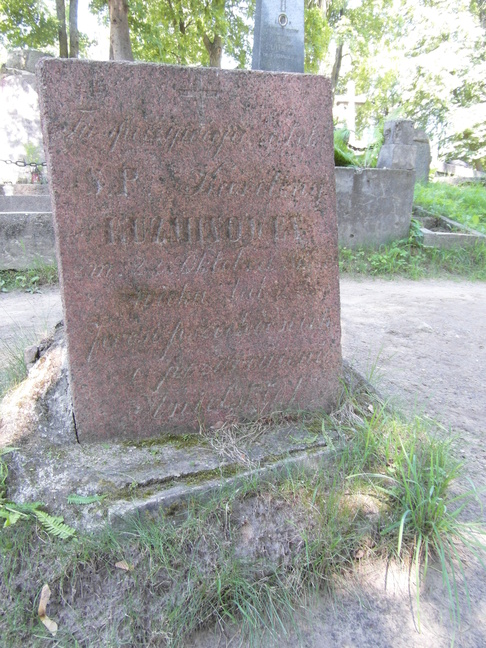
(196, 230)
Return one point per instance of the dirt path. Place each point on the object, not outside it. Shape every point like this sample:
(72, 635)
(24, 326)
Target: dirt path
(26, 317)
(424, 342)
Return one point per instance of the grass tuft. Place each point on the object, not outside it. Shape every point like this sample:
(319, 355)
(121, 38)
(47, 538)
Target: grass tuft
(13, 368)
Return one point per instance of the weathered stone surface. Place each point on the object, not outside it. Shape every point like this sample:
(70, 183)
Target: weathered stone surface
(31, 354)
(278, 42)
(374, 206)
(25, 202)
(399, 131)
(197, 239)
(423, 156)
(398, 151)
(397, 156)
(24, 59)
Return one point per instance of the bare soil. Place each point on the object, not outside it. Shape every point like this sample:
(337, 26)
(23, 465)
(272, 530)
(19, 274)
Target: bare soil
(423, 345)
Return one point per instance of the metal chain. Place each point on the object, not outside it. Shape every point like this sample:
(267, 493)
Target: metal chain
(23, 163)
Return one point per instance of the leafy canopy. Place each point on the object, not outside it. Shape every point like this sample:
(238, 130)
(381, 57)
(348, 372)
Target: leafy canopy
(27, 23)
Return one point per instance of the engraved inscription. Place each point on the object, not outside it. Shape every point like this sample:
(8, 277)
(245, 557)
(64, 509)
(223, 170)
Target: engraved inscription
(248, 325)
(161, 405)
(204, 262)
(133, 230)
(200, 93)
(215, 180)
(121, 183)
(145, 297)
(168, 137)
(165, 136)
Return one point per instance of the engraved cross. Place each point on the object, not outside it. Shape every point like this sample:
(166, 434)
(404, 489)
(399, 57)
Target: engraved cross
(199, 93)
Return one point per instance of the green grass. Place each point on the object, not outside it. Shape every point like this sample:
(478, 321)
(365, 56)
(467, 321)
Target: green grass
(408, 258)
(13, 368)
(208, 563)
(29, 280)
(464, 203)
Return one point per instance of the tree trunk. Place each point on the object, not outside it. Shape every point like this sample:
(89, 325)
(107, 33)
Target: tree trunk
(119, 31)
(214, 49)
(336, 68)
(61, 17)
(73, 29)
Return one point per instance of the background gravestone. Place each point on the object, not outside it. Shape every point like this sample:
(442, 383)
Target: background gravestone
(423, 156)
(196, 231)
(398, 151)
(279, 36)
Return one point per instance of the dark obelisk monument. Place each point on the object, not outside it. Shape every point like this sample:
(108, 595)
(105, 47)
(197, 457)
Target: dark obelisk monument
(279, 36)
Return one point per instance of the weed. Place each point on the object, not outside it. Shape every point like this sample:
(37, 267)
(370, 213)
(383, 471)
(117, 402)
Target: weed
(13, 369)
(421, 519)
(407, 258)
(29, 280)
(425, 518)
(12, 512)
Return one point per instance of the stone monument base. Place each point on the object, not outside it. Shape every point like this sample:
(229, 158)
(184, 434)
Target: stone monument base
(137, 477)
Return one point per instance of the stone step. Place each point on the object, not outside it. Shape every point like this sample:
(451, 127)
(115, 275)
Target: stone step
(40, 203)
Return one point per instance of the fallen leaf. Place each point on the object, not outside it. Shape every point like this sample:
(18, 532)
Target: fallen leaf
(44, 600)
(122, 564)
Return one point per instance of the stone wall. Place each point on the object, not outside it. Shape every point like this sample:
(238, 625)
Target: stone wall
(374, 206)
(26, 227)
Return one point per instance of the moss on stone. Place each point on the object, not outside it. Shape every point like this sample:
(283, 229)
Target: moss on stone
(179, 441)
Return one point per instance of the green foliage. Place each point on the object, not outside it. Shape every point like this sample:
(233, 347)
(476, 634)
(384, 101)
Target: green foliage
(423, 519)
(412, 474)
(54, 525)
(29, 280)
(425, 61)
(464, 203)
(173, 31)
(318, 34)
(13, 369)
(27, 23)
(343, 156)
(407, 258)
(11, 512)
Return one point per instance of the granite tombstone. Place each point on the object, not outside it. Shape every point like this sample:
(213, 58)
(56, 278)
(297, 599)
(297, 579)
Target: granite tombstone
(278, 42)
(423, 156)
(398, 150)
(196, 232)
